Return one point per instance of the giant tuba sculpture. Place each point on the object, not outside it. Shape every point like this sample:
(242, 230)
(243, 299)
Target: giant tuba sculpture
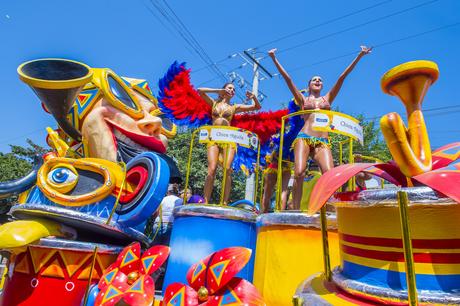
(410, 147)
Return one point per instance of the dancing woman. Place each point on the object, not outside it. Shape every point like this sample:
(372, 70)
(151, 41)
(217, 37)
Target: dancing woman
(222, 114)
(310, 142)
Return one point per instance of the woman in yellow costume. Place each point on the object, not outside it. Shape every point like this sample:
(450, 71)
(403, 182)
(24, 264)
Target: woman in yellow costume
(222, 114)
(309, 142)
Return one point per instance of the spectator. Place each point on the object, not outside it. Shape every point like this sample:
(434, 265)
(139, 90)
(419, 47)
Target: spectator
(163, 225)
(191, 198)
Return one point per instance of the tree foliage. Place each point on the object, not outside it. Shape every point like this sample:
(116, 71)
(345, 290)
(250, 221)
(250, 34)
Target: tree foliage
(18, 163)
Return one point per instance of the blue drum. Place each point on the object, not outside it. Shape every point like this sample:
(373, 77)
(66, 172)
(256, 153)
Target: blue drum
(200, 230)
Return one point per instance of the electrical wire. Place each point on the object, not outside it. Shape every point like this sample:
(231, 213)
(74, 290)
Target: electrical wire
(168, 28)
(171, 17)
(428, 110)
(22, 135)
(322, 24)
(302, 31)
(357, 26)
(383, 44)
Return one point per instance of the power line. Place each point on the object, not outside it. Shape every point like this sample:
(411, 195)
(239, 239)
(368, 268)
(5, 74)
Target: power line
(21, 136)
(323, 23)
(302, 31)
(171, 17)
(215, 63)
(168, 28)
(378, 46)
(428, 110)
(357, 26)
(418, 34)
(215, 78)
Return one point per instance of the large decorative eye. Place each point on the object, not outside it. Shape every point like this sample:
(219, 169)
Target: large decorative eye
(78, 182)
(120, 93)
(117, 92)
(168, 128)
(63, 178)
(61, 175)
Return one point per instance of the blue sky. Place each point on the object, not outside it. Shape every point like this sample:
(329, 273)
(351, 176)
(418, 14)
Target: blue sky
(128, 38)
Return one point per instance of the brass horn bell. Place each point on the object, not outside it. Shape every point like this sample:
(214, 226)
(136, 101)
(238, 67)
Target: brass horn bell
(57, 82)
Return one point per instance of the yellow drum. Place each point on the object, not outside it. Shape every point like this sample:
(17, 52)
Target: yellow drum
(289, 248)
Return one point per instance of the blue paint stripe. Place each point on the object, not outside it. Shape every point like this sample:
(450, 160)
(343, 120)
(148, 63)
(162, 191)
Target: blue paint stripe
(397, 280)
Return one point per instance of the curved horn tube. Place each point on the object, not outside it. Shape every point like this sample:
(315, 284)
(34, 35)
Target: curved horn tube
(11, 188)
(410, 147)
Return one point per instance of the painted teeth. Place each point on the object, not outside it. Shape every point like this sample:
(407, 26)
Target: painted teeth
(121, 137)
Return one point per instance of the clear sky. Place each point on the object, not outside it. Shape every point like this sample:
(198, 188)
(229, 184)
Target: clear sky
(133, 39)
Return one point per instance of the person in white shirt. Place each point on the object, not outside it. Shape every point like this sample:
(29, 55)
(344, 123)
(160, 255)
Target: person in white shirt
(162, 227)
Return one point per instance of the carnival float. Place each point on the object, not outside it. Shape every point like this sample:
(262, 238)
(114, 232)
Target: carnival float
(76, 235)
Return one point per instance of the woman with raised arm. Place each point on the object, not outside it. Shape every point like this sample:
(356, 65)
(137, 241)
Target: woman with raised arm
(222, 114)
(310, 142)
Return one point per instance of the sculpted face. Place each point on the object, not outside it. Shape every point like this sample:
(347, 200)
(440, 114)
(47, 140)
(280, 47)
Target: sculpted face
(121, 124)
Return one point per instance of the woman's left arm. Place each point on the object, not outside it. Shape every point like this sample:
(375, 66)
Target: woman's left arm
(330, 96)
(239, 108)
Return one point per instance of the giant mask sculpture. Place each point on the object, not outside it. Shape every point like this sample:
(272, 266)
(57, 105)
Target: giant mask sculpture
(118, 117)
(106, 175)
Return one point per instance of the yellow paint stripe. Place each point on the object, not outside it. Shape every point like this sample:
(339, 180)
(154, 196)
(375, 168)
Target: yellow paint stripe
(318, 286)
(392, 249)
(420, 268)
(384, 221)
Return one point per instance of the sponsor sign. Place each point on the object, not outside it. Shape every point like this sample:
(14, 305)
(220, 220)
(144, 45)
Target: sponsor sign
(229, 135)
(334, 122)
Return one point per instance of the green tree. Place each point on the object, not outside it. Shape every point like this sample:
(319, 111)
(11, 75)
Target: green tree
(17, 164)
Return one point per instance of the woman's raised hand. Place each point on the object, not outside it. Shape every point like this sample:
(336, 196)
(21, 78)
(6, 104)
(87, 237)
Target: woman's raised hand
(271, 52)
(249, 95)
(365, 50)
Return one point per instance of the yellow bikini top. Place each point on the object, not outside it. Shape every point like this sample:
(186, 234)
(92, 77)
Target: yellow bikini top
(225, 112)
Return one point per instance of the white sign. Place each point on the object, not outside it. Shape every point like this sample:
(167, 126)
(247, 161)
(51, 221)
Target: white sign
(334, 122)
(226, 135)
(321, 120)
(347, 126)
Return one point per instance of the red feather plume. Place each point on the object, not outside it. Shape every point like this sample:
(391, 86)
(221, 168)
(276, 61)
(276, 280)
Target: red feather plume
(264, 124)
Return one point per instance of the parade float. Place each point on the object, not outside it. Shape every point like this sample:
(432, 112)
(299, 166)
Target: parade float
(77, 234)
(93, 194)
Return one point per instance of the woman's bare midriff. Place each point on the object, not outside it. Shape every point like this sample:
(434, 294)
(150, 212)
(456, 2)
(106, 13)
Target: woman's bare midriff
(221, 122)
(308, 127)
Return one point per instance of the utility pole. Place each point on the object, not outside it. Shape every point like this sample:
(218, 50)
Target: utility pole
(250, 181)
